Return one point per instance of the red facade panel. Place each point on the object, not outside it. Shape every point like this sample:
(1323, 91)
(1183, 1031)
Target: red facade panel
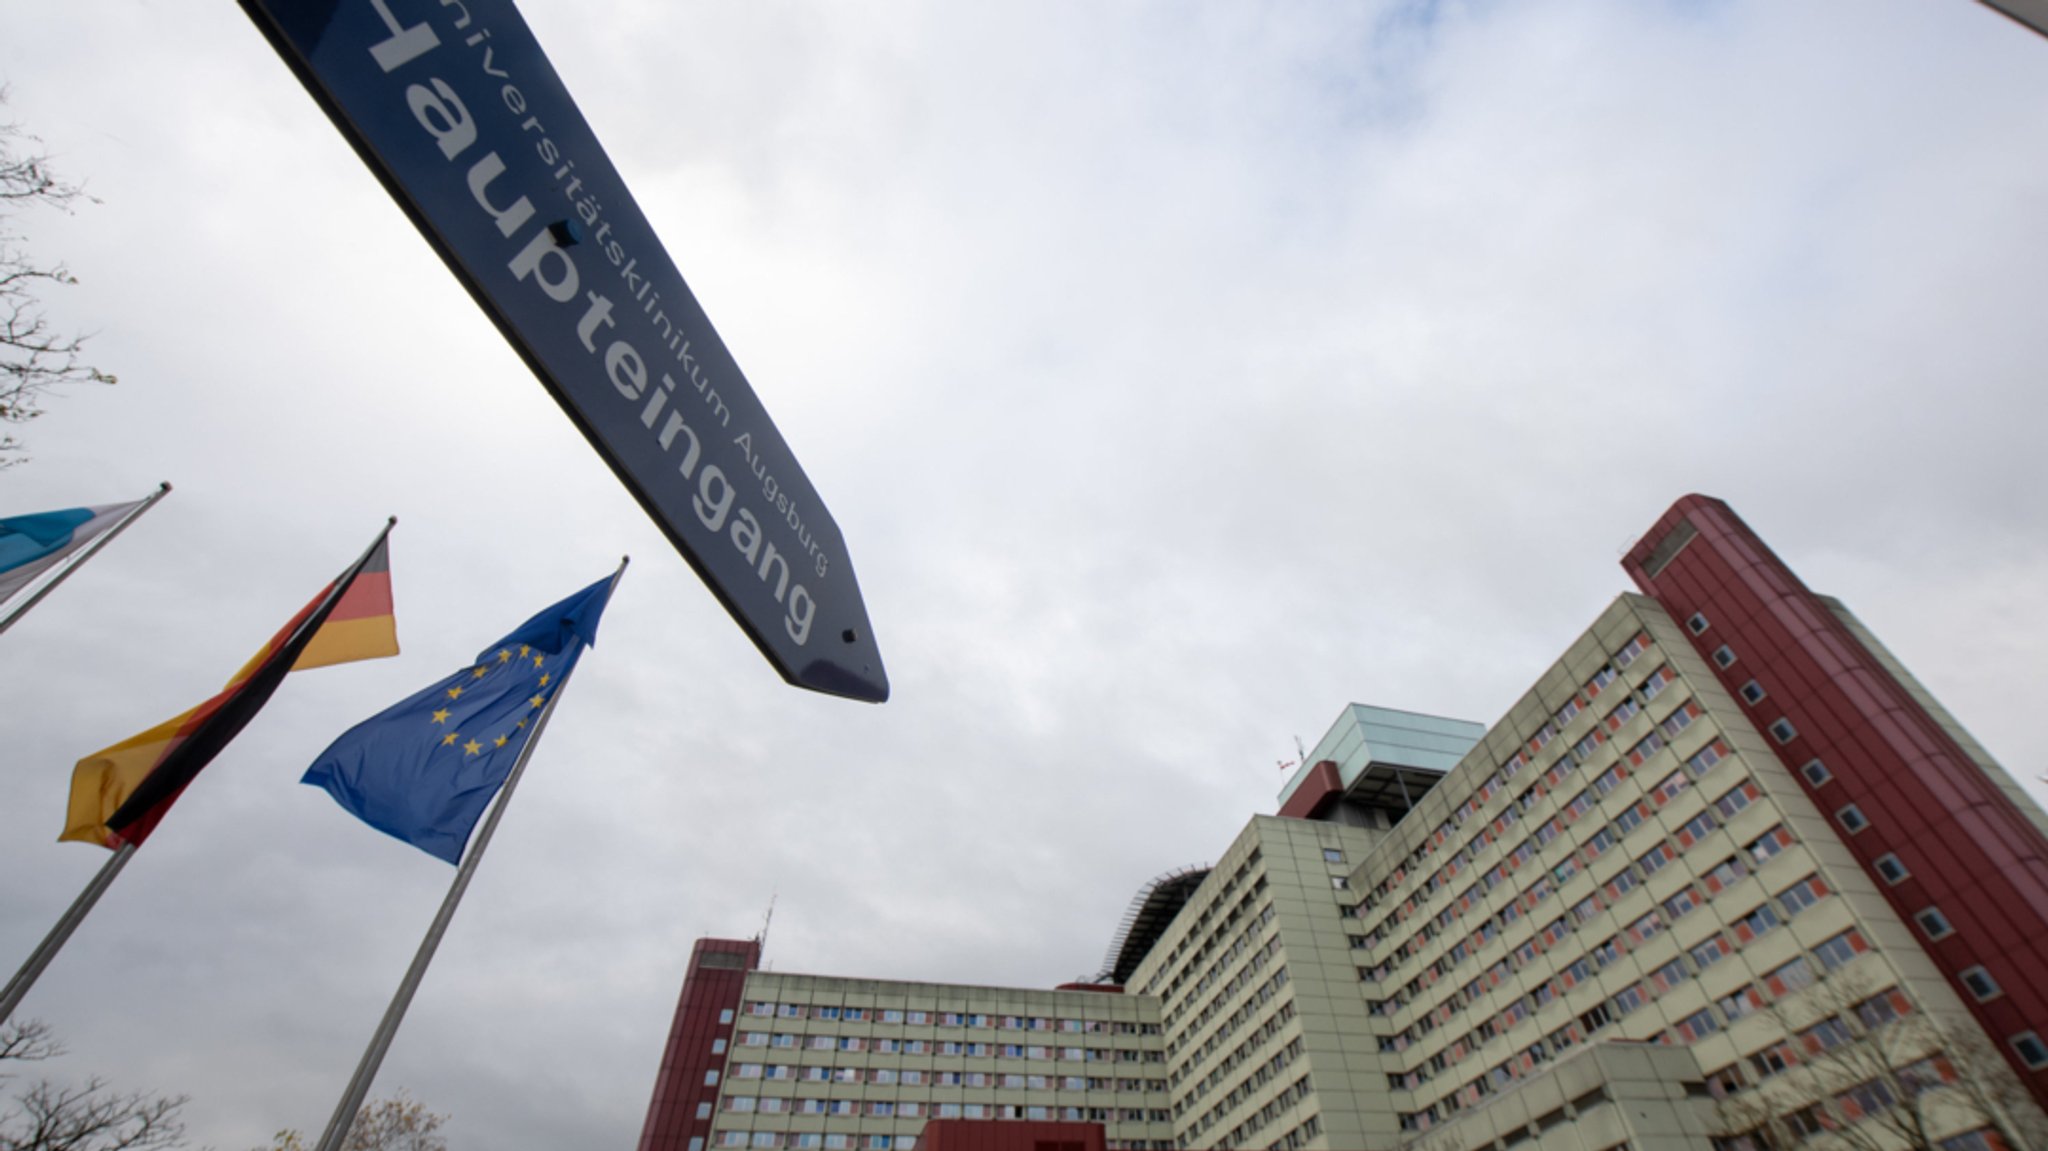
(992, 1135)
(712, 987)
(1321, 788)
(1971, 852)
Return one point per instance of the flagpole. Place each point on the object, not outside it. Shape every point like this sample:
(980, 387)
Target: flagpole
(387, 1029)
(17, 988)
(78, 560)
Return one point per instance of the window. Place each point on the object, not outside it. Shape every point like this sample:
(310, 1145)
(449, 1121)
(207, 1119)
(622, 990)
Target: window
(1769, 843)
(1826, 1035)
(1740, 796)
(1628, 999)
(1833, 953)
(1646, 747)
(1340, 883)
(1802, 895)
(1783, 731)
(1934, 923)
(1712, 951)
(725, 1016)
(1598, 845)
(1724, 875)
(711, 1077)
(1653, 860)
(1742, 1001)
(718, 1046)
(1607, 952)
(1645, 928)
(1668, 788)
(1807, 1122)
(1980, 983)
(1696, 624)
(1704, 759)
(1772, 1061)
(1757, 923)
(1658, 681)
(1724, 656)
(1753, 691)
(1979, 1140)
(1332, 855)
(1883, 1008)
(1623, 712)
(1695, 830)
(1631, 818)
(1866, 1098)
(1890, 868)
(2030, 1049)
(1794, 976)
(1636, 647)
(1816, 772)
(704, 1110)
(1670, 975)
(1698, 1025)
(1679, 906)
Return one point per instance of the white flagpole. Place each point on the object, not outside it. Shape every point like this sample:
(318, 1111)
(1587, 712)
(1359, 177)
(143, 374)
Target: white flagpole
(17, 988)
(77, 561)
(387, 1029)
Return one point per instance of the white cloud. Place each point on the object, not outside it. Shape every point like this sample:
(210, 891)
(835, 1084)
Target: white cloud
(1176, 377)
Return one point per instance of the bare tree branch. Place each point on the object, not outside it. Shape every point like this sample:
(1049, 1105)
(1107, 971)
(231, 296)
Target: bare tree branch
(35, 359)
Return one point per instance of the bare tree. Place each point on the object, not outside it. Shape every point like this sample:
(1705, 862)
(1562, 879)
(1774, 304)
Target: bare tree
(89, 1117)
(1863, 1069)
(399, 1123)
(34, 358)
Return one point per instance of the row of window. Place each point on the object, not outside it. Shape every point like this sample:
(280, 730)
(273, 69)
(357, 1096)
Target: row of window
(1250, 1085)
(917, 1077)
(1178, 1008)
(1201, 938)
(1786, 979)
(950, 1047)
(1730, 802)
(915, 1018)
(917, 1109)
(1246, 1050)
(1629, 706)
(1280, 1105)
(1716, 879)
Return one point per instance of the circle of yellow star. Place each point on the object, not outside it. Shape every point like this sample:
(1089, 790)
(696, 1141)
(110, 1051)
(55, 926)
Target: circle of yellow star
(441, 716)
(455, 692)
(449, 740)
(472, 747)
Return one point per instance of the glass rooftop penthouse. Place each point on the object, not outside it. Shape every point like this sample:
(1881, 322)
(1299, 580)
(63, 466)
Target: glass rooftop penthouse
(1378, 758)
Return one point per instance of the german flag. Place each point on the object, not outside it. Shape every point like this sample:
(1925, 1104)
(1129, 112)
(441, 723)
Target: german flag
(120, 794)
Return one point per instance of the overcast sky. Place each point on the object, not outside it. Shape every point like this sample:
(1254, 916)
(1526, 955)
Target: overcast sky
(1177, 373)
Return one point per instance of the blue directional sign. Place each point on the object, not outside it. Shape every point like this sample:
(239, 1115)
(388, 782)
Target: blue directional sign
(455, 107)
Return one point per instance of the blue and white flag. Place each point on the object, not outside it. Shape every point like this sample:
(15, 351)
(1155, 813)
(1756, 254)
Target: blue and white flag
(33, 544)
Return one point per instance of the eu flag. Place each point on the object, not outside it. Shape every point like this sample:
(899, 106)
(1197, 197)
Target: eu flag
(425, 770)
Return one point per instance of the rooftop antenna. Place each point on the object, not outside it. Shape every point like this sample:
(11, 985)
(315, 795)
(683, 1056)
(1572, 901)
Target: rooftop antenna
(767, 921)
(1300, 756)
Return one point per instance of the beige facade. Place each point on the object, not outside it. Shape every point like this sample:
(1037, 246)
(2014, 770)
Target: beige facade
(1617, 921)
(1642, 1097)
(827, 1062)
